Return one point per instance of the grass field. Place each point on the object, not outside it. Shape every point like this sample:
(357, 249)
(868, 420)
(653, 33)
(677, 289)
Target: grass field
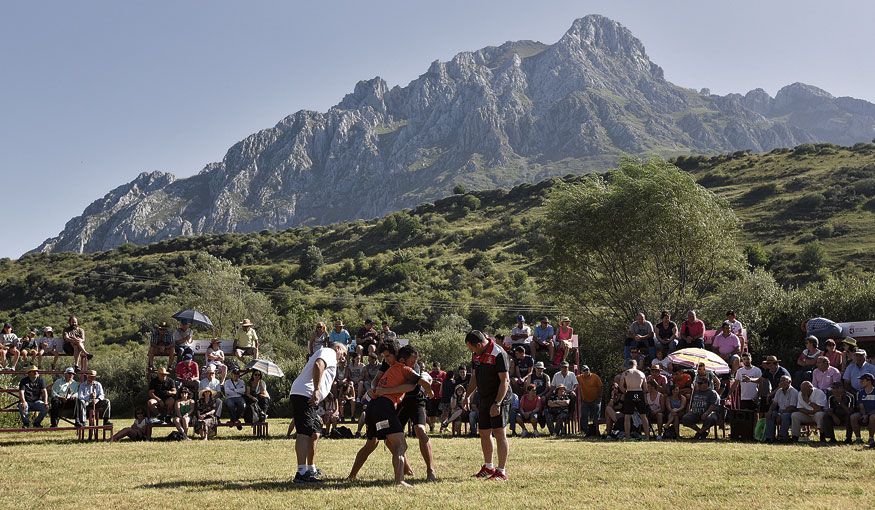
(237, 472)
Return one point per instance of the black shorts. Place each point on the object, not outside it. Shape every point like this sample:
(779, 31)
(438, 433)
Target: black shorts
(68, 348)
(634, 401)
(382, 419)
(487, 422)
(412, 409)
(433, 407)
(307, 422)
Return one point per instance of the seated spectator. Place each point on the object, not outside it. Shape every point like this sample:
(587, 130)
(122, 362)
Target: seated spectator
(329, 414)
(9, 343)
(31, 348)
(521, 335)
(734, 324)
(655, 401)
(183, 339)
(589, 387)
(540, 379)
(212, 383)
(188, 373)
(566, 378)
(633, 383)
(838, 413)
(371, 371)
(184, 412)
(855, 369)
(257, 396)
(558, 411)
(725, 342)
(206, 414)
(563, 346)
(162, 397)
(781, 410)
(64, 392)
(246, 342)
(74, 343)
(346, 395)
(836, 359)
(640, 335)
(161, 344)
(138, 431)
(822, 329)
(748, 377)
(825, 375)
(773, 372)
(663, 361)
(807, 360)
(656, 376)
(341, 336)
(682, 379)
(366, 337)
(235, 393)
(215, 358)
(692, 333)
(676, 404)
(810, 409)
(458, 411)
(32, 397)
(530, 406)
(637, 355)
(355, 374)
(386, 335)
(92, 398)
(50, 345)
(613, 416)
(542, 339)
(521, 367)
(702, 373)
(865, 415)
(703, 409)
(666, 333)
(513, 411)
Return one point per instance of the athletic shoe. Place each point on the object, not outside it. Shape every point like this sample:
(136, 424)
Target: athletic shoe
(305, 478)
(484, 472)
(859, 440)
(498, 476)
(155, 421)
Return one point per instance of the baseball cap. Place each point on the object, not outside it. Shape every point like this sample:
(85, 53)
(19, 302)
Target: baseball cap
(187, 357)
(867, 376)
(69, 370)
(584, 368)
(520, 318)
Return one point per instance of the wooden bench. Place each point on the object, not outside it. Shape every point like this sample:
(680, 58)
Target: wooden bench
(259, 429)
(84, 433)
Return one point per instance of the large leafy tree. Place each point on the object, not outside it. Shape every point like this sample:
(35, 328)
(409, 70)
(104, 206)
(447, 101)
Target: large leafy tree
(643, 237)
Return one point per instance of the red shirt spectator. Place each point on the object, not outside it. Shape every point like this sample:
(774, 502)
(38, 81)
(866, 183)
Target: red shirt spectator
(530, 402)
(437, 381)
(187, 370)
(695, 329)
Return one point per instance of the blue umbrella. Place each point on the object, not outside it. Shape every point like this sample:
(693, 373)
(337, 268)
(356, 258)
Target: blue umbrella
(194, 317)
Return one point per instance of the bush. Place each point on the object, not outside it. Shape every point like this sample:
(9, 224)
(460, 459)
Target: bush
(122, 372)
(812, 257)
(757, 256)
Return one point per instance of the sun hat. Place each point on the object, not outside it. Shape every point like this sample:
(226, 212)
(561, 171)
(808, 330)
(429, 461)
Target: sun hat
(539, 364)
(246, 322)
(69, 370)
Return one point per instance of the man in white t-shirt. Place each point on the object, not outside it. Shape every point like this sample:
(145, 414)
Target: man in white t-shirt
(810, 409)
(311, 386)
(521, 334)
(735, 326)
(750, 391)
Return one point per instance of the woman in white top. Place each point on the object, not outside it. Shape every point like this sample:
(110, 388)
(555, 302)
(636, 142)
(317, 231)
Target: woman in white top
(655, 406)
(216, 358)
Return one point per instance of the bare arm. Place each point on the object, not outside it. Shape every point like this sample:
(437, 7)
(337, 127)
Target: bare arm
(318, 370)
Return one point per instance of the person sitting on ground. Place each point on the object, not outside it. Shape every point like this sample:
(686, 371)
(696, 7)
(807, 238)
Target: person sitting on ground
(51, 346)
(521, 334)
(188, 373)
(386, 335)
(836, 359)
(183, 339)
(656, 376)
(365, 337)
(459, 408)
(355, 374)
(822, 329)
(162, 397)
(703, 409)
(74, 343)
(329, 414)
(32, 397)
(865, 415)
(824, 375)
(206, 414)
(211, 382)
(692, 332)
(725, 342)
(807, 360)
(9, 343)
(31, 349)
(346, 396)
(215, 358)
(138, 431)
(838, 413)
(318, 339)
(557, 411)
(655, 401)
(184, 412)
(235, 393)
(64, 392)
(521, 366)
(748, 377)
(339, 335)
(633, 382)
(256, 392)
(563, 347)
(810, 409)
(92, 398)
(781, 410)
(676, 404)
(666, 333)
(854, 370)
(161, 344)
(640, 335)
(542, 338)
(530, 406)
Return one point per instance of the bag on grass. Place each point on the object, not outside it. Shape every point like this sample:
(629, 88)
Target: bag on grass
(759, 431)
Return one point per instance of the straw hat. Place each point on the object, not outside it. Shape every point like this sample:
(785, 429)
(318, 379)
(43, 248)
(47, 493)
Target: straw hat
(246, 322)
(162, 370)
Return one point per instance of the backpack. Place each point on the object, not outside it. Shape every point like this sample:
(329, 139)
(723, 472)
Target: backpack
(341, 433)
(175, 436)
(254, 413)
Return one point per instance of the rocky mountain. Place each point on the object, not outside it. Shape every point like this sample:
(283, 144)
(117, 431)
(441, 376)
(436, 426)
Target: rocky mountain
(490, 118)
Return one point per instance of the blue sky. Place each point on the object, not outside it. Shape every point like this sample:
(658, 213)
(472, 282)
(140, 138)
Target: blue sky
(95, 92)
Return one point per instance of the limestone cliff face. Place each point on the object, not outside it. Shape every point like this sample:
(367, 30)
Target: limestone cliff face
(489, 118)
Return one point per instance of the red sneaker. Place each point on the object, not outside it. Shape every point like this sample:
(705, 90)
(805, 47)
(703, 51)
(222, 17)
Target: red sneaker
(498, 476)
(484, 472)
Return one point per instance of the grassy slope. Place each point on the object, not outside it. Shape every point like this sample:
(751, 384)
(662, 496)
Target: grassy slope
(238, 473)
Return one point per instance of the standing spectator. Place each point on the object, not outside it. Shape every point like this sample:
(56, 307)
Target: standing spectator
(513, 412)
(206, 414)
(216, 358)
(748, 377)
(855, 369)
(32, 397)
(92, 398)
(735, 325)
(246, 343)
(563, 345)
(781, 409)
(542, 339)
(9, 343)
(183, 339)
(640, 335)
(521, 334)
(865, 414)
(632, 382)
(675, 404)
(824, 376)
(138, 431)
(558, 409)
(692, 334)
(386, 334)
(666, 333)
(703, 409)
(589, 387)
(521, 366)
(215, 386)
(50, 345)
(188, 373)
(434, 403)
(341, 336)
(184, 412)
(161, 344)
(366, 337)
(74, 343)
(655, 406)
(64, 392)
(807, 360)
(810, 407)
(726, 344)
(162, 397)
(257, 396)
(490, 379)
(822, 329)
(835, 357)
(838, 412)
(530, 405)
(235, 392)
(318, 339)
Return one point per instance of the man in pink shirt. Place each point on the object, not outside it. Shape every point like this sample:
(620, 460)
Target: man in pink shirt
(692, 332)
(726, 344)
(824, 376)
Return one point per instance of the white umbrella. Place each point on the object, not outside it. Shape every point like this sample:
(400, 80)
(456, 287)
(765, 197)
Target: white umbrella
(266, 367)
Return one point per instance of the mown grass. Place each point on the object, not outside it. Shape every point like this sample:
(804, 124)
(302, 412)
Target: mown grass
(239, 472)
